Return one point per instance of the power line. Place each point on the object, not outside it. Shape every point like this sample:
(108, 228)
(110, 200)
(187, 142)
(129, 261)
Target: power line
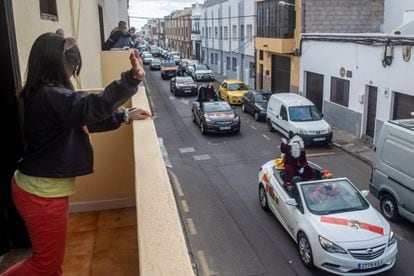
(201, 18)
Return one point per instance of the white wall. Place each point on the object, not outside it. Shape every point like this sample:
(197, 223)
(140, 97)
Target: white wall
(393, 13)
(327, 58)
(114, 11)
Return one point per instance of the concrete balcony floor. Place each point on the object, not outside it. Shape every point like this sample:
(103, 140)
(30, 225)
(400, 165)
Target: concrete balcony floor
(98, 243)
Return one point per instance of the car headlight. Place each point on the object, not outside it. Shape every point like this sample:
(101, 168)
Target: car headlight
(301, 131)
(392, 239)
(330, 246)
(237, 118)
(208, 120)
(329, 129)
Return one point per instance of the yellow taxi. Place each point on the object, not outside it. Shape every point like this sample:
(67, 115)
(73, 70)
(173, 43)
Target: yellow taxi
(233, 91)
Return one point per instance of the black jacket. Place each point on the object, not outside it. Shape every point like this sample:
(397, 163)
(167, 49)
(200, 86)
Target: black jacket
(57, 146)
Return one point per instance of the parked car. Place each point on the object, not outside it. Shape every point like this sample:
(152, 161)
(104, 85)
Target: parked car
(146, 58)
(255, 103)
(202, 72)
(177, 59)
(155, 64)
(392, 178)
(190, 67)
(292, 114)
(217, 117)
(183, 86)
(333, 225)
(233, 91)
(168, 69)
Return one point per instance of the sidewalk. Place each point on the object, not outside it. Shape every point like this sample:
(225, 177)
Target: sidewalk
(355, 146)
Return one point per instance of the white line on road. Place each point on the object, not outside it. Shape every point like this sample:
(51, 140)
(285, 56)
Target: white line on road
(203, 262)
(176, 183)
(191, 226)
(265, 136)
(184, 101)
(184, 205)
(253, 127)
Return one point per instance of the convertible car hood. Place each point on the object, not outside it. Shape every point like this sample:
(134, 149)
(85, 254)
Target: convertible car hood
(216, 116)
(351, 226)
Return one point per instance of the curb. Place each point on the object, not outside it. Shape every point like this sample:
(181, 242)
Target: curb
(360, 157)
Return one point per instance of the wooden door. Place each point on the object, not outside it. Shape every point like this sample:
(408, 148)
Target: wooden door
(371, 110)
(280, 74)
(314, 89)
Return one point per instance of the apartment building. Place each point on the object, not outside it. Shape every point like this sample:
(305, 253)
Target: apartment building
(196, 31)
(227, 38)
(178, 32)
(361, 80)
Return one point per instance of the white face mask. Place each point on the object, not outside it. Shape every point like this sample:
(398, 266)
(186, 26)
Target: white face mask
(295, 150)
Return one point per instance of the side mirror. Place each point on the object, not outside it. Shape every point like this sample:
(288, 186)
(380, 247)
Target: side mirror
(291, 202)
(364, 193)
(173, 79)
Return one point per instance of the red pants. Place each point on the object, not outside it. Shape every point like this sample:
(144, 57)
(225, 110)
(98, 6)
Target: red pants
(46, 221)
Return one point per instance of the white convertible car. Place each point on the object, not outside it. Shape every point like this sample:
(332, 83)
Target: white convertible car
(334, 226)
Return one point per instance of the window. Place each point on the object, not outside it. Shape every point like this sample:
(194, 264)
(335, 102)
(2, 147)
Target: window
(228, 65)
(226, 32)
(221, 33)
(340, 91)
(215, 32)
(209, 32)
(283, 113)
(234, 34)
(202, 31)
(275, 21)
(249, 31)
(261, 55)
(212, 59)
(241, 32)
(234, 65)
(48, 10)
(216, 59)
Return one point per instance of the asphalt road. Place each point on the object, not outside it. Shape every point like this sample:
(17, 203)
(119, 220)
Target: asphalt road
(215, 184)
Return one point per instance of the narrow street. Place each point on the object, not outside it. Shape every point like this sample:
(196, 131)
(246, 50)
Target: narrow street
(215, 184)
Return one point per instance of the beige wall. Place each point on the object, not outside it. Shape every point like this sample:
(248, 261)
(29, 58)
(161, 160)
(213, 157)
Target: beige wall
(112, 183)
(82, 22)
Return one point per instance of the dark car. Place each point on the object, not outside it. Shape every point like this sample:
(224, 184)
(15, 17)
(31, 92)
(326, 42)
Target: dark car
(155, 64)
(255, 103)
(168, 69)
(216, 117)
(183, 86)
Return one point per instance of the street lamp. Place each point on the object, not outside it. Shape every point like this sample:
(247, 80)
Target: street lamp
(284, 4)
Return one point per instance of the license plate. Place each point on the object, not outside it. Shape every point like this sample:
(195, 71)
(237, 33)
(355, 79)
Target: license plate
(187, 91)
(370, 265)
(319, 139)
(225, 128)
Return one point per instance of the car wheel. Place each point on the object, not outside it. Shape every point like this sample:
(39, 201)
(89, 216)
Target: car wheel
(263, 198)
(305, 250)
(243, 108)
(269, 126)
(389, 207)
(202, 128)
(256, 116)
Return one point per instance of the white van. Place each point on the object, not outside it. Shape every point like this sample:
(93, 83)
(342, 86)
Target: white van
(392, 179)
(292, 114)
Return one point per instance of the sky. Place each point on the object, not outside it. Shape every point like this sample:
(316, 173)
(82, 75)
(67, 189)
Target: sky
(155, 9)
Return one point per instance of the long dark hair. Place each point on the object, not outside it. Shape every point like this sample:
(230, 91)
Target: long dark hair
(50, 59)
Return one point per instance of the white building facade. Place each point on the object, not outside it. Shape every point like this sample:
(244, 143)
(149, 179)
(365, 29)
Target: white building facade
(196, 31)
(227, 38)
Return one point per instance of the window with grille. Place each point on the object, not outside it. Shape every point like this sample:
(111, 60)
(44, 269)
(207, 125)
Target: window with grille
(340, 91)
(48, 10)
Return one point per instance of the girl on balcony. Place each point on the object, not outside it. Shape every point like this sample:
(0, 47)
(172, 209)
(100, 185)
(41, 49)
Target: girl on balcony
(56, 124)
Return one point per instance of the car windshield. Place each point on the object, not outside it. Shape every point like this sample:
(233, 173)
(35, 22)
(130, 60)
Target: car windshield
(202, 67)
(169, 63)
(147, 56)
(184, 80)
(236, 86)
(332, 196)
(216, 107)
(155, 62)
(260, 98)
(304, 113)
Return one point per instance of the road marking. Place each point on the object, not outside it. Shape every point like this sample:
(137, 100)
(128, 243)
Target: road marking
(186, 150)
(164, 153)
(184, 101)
(191, 226)
(253, 127)
(184, 205)
(321, 154)
(176, 183)
(201, 157)
(265, 136)
(203, 263)
(172, 98)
